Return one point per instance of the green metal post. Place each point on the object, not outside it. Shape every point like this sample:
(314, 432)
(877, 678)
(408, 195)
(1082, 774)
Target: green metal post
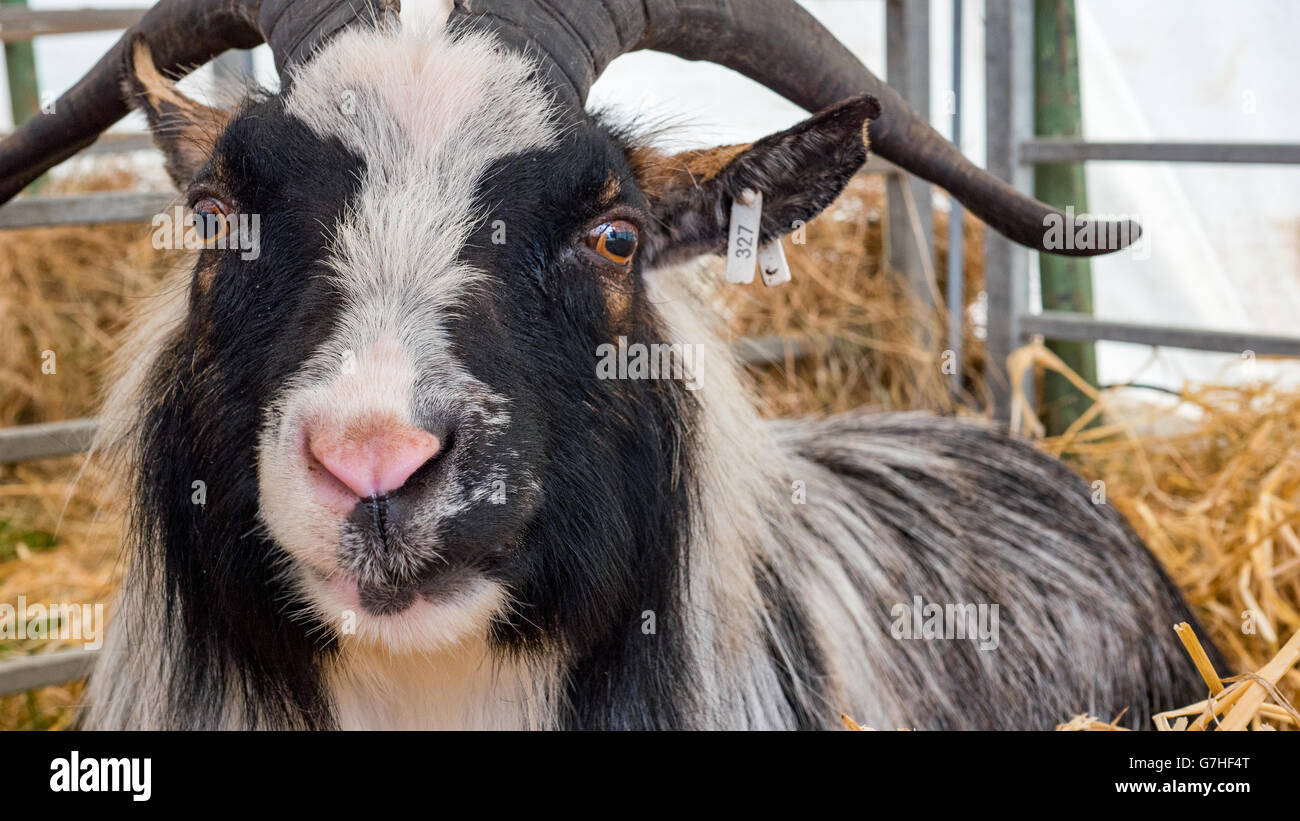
(1066, 282)
(20, 63)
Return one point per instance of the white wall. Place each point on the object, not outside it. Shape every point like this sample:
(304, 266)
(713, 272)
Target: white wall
(1225, 239)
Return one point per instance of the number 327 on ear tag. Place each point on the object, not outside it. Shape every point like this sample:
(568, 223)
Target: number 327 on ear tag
(742, 238)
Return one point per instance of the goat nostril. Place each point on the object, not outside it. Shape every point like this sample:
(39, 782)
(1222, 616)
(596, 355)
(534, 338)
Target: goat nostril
(376, 460)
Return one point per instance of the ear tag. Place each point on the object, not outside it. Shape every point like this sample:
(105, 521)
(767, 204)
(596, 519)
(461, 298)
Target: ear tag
(772, 264)
(742, 238)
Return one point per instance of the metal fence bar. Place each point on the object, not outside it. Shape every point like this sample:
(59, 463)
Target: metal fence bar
(1065, 150)
(55, 439)
(91, 209)
(769, 350)
(909, 229)
(45, 440)
(1009, 80)
(98, 209)
(32, 672)
(19, 24)
(119, 143)
(956, 296)
(880, 165)
(1064, 325)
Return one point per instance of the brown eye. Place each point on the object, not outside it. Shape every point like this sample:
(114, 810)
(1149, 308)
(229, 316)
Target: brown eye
(211, 219)
(615, 241)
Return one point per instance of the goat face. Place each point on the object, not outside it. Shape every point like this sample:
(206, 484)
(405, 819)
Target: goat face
(402, 386)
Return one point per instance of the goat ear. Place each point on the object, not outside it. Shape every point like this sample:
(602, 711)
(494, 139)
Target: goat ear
(799, 171)
(183, 129)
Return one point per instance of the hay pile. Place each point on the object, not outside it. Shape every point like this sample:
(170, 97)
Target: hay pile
(1216, 496)
(1218, 500)
(66, 291)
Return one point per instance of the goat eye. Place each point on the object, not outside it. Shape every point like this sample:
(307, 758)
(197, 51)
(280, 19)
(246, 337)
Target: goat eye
(615, 241)
(211, 219)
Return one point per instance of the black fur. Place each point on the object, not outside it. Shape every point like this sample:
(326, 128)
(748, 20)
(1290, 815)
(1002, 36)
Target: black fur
(607, 542)
(246, 332)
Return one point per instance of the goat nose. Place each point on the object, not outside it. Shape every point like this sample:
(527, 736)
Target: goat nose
(373, 459)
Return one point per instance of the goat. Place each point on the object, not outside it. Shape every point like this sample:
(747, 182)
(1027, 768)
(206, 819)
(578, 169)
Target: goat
(421, 504)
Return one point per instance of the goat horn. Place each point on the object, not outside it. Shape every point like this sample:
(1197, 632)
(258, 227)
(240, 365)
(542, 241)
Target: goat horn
(182, 35)
(783, 47)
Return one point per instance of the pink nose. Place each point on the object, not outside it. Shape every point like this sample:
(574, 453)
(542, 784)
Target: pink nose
(372, 458)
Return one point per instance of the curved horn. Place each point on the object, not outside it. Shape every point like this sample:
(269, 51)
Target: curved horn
(182, 34)
(783, 47)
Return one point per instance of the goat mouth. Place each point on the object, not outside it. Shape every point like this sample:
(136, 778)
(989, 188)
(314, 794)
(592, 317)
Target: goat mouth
(375, 598)
(380, 529)
(386, 600)
(390, 599)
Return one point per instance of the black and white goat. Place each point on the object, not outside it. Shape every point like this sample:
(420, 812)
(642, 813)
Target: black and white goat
(421, 506)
